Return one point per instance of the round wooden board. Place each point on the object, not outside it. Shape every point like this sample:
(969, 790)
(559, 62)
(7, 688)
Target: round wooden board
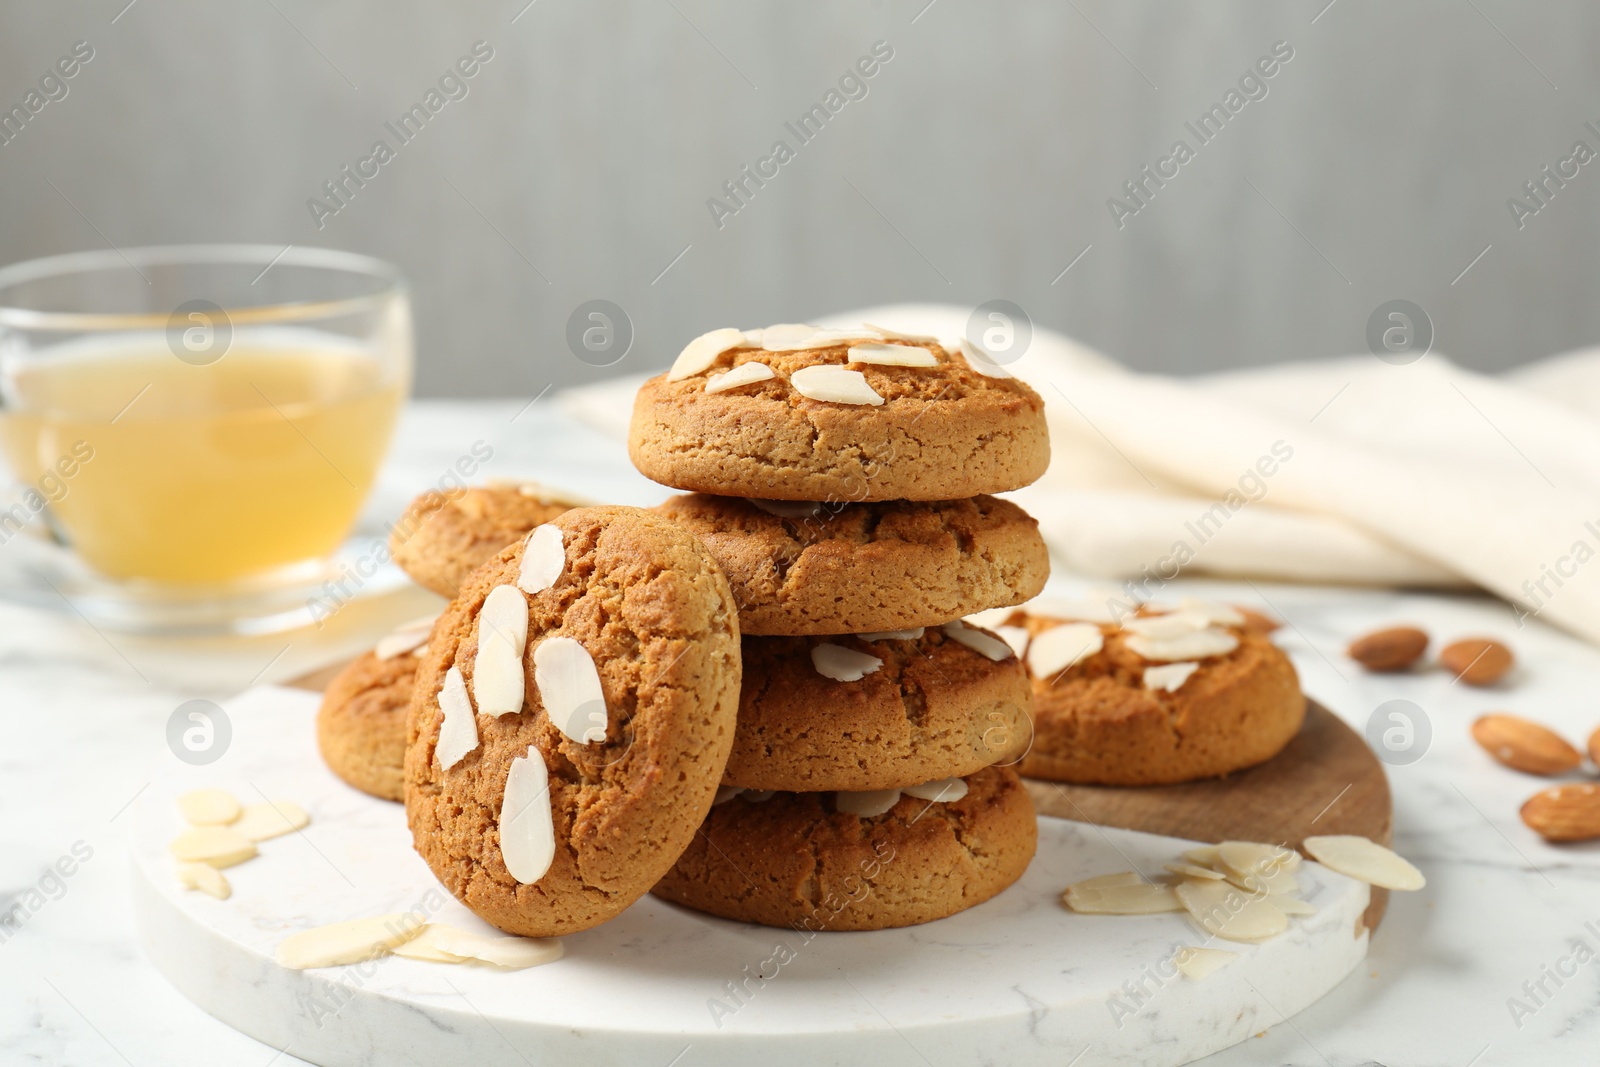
(1326, 781)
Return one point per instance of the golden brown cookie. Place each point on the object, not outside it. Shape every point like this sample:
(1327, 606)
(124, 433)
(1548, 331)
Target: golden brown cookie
(938, 432)
(845, 568)
(932, 708)
(361, 726)
(795, 860)
(445, 536)
(1107, 720)
(532, 822)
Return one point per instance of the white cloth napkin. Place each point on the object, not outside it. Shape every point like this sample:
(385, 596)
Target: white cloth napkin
(1345, 470)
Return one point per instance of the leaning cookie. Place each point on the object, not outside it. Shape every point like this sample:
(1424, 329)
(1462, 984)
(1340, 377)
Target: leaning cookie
(877, 711)
(798, 413)
(445, 536)
(817, 568)
(1164, 698)
(805, 861)
(571, 720)
(361, 726)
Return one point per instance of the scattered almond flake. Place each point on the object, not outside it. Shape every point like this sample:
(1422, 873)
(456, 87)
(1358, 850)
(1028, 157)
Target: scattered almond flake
(744, 374)
(263, 822)
(1201, 644)
(498, 675)
(894, 635)
(569, 689)
(866, 803)
(1144, 898)
(703, 351)
(220, 846)
(795, 336)
(1054, 650)
(527, 830)
(458, 732)
(1190, 870)
(1015, 636)
(1213, 611)
(986, 645)
(786, 509)
(1274, 883)
(979, 360)
(348, 942)
(450, 944)
(1070, 610)
(1106, 881)
(989, 618)
(206, 878)
(943, 791)
(1365, 861)
(881, 355)
(1169, 676)
(843, 664)
(756, 796)
(836, 385)
(399, 643)
(208, 807)
(1291, 905)
(1251, 855)
(1230, 913)
(896, 335)
(1198, 963)
(544, 557)
(1205, 855)
(1167, 625)
(725, 793)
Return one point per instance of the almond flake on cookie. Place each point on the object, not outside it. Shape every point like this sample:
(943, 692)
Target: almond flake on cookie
(743, 374)
(978, 360)
(569, 688)
(882, 355)
(896, 335)
(1077, 609)
(986, 645)
(866, 803)
(914, 634)
(726, 793)
(497, 672)
(458, 734)
(843, 664)
(703, 351)
(940, 791)
(1056, 649)
(407, 637)
(1197, 644)
(798, 336)
(1015, 636)
(1212, 611)
(544, 557)
(527, 830)
(836, 385)
(1169, 676)
(1165, 627)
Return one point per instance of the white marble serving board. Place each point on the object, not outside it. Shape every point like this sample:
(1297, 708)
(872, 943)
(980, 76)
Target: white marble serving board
(1017, 980)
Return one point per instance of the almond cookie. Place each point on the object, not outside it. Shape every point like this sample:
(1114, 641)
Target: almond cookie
(1164, 698)
(854, 416)
(571, 720)
(826, 713)
(445, 536)
(361, 726)
(797, 860)
(815, 568)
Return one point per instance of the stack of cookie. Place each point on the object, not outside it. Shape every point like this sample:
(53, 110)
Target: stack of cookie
(841, 479)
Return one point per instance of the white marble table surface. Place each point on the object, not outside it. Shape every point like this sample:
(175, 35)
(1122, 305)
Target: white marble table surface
(85, 719)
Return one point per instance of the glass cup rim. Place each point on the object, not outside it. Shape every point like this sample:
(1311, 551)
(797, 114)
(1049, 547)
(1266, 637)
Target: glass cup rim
(30, 270)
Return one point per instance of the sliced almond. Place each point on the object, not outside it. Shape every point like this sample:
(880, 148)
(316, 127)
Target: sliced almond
(527, 829)
(1292, 905)
(1143, 898)
(1166, 625)
(1365, 861)
(220, 846)
(1191, 870)
(977, 359)
(422, 947)
(866, 803)
(1015, 636)
(263, 822)
(1205, 855)
(989, 618)
(797, 336)
(1257, 855)
(834, 384)
(842, 664)
(725, 793)
(1212, 611)
(1105, 881)
(1075, 609)
(1228, 912)
(703, 351)
(1198, 963)
(883, 355)
(1201, 644)
(1060, 647)
(208, 807)
(399, 643)
(206, 878)
(452, 944)
(1169, 677)
(894, 635)
(744, 374)
(346, 942)
(458, 732)
(569, 689)
(544, 557)
(943, 791)
(897, 335)
(498, 677)
(986, 645)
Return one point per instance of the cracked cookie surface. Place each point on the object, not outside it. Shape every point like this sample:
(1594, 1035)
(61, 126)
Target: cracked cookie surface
(851, 568)
(443, 537)
(652, 609)
(361, 725)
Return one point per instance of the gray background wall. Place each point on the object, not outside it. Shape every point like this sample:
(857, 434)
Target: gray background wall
(978, 166)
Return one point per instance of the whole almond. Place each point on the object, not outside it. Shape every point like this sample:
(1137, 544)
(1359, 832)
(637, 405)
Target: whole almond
(1257, 622)
(1477, 660)
(1564, 812)
(1524, 746)
(1394, 649)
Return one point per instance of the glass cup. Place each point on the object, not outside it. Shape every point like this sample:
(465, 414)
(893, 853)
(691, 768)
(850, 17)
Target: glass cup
(192, 430)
